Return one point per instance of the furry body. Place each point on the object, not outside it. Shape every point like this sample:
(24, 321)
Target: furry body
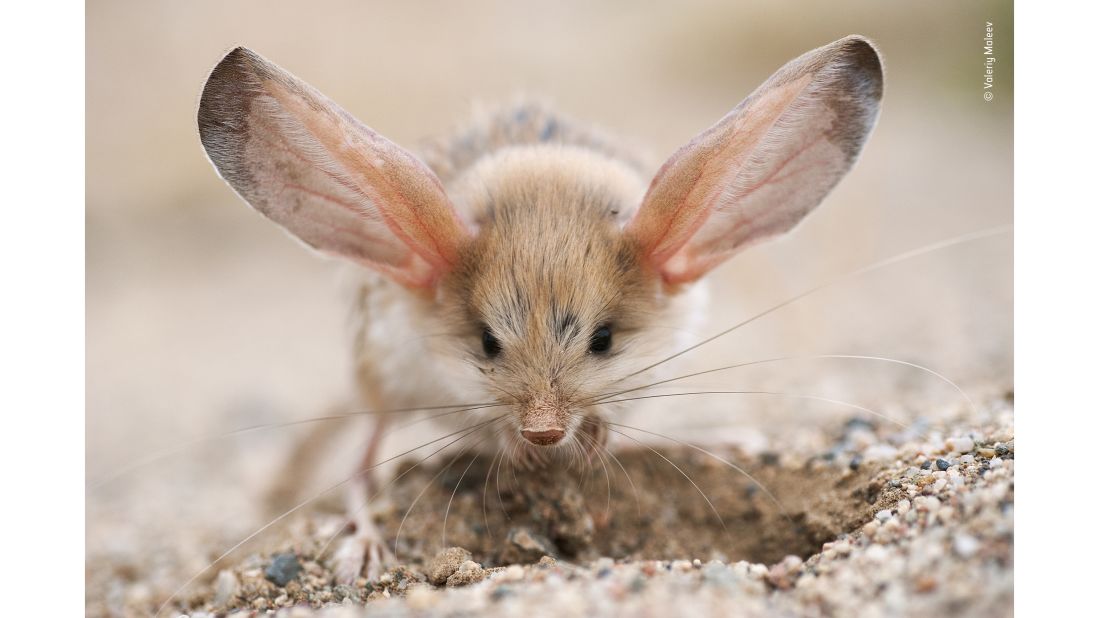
(547, 197)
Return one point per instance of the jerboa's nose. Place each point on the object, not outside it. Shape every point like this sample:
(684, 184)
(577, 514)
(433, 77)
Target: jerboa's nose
(543, 438)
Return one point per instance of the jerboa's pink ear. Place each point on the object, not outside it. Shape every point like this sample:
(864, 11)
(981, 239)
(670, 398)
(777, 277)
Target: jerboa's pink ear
(312, 168)
(765, 165)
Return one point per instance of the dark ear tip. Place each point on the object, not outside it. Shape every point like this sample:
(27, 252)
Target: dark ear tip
(233, 74)
(242, 56)
(238, 60)
(238, 51)
(225, 94)
(862, 52)
(857, 41)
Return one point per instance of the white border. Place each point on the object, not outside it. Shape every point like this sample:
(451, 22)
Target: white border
(42, 330)
(1057, 266)
(42, 315)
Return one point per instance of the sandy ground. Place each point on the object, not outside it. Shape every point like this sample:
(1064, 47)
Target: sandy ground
(868, 518)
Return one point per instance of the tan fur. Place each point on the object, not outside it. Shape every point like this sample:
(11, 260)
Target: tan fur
(548, 249)
(530, 228)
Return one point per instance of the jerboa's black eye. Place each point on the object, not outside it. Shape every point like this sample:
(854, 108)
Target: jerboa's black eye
(490, 343)
(601, 339)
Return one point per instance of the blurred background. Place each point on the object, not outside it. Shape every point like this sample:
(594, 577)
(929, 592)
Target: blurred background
(203, 317)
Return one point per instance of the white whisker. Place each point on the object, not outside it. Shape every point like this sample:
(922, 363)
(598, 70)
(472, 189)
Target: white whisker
(296, 508)
(900, 257)
(680, 470)
(732, 465)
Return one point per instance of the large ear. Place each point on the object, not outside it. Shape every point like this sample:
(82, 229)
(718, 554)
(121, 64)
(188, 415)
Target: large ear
(765, 165)
(318, 172)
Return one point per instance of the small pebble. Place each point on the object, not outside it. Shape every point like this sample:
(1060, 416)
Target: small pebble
(926, 465)
(468, 573)
(966, 545)
(283, 569)
(782, 575)
(855, 423)
(929, 504)
(876, 553)
(995, 462)
(942, 464)
(986, 452)
(883, 515)
(880, 452)
(1001, 449)
(602, 563)
(446, 563)
(962, 445)
(718, 573)
(345, 592)
(225, 587)
(861, 438)
(926, 584)
(528, 545)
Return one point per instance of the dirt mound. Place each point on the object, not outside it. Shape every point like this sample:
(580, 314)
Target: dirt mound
(662, 504)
